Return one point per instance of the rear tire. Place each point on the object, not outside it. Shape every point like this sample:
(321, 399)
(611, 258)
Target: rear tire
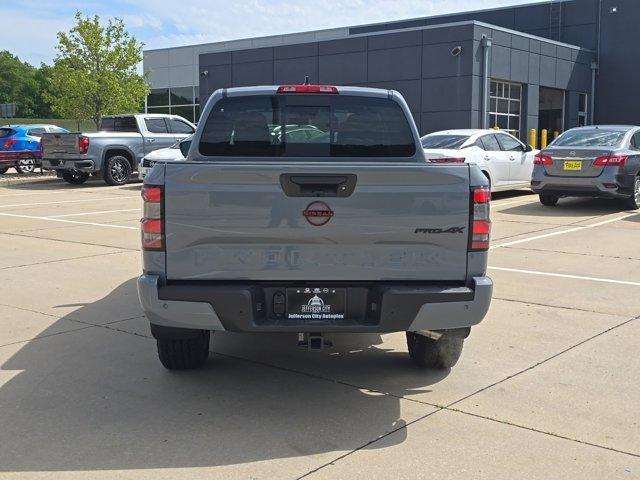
(426, 352)
(117, 170)
(184, 353)
(633, 203)
(75, 178)
(26, 165)
(548, 200)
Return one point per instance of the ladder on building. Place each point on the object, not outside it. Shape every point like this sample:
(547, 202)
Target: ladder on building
(555, 20)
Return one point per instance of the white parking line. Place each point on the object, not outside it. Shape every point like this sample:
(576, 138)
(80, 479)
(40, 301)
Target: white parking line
(68, 221)
(69, 201)
(563, 275)
(30, 193)
(562, 232)
(93, 213)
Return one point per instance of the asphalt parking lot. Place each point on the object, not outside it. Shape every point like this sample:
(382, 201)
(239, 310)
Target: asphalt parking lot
(547, 386)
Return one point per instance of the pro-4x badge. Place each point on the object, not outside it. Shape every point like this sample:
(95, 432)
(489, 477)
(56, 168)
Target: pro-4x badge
(440, 230)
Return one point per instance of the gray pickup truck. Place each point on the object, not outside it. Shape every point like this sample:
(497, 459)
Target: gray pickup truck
(345, 231)
(115, 151)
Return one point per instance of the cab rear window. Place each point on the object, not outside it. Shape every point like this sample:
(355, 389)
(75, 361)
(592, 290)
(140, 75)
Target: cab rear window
(307, 126)
(118, 124)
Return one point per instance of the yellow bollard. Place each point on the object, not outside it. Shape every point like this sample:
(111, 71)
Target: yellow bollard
(533, 138)
(556, 134)
(543, 138)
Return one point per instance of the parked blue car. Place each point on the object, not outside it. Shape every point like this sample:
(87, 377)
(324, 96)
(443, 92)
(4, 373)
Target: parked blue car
(20, 146)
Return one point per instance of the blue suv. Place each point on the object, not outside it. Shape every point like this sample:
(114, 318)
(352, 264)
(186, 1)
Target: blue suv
(20, 146)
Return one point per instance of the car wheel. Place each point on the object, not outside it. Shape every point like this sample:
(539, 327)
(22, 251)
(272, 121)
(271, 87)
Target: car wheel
(75, 178)
(3, 170)
(184, 353)
(548, 200)
(426, 352)
(26, 165)
(117, 170)
(633, 203)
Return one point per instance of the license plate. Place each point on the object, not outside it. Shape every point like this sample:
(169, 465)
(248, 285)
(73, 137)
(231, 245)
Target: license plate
(316, 303)
(572, 165)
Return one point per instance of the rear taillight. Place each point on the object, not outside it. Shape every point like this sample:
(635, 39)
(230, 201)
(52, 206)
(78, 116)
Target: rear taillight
(611, 161)
(83, 144)
(446, 160)
(480, 221)
(152, 223)
(307, 89)
(10, 143)
(540, 159)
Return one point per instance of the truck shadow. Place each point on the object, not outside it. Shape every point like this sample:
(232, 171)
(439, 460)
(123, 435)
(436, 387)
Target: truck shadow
(82, 397)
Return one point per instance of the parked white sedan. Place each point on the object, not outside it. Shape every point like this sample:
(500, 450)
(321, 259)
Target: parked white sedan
(169, 154)
(505, 160)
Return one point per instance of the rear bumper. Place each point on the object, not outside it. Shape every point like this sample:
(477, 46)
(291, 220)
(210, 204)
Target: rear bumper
(78, 165)
(609, 184)
(378, 307)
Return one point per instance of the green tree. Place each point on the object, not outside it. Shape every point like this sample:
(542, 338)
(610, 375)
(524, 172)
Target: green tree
(18, 85)
(95, 71)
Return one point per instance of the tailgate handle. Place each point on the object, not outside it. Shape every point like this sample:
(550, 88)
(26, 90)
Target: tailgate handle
(318, 185)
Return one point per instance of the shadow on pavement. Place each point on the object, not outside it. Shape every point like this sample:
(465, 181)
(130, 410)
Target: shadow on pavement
(511, 194)
(579, 207)
(97, 398)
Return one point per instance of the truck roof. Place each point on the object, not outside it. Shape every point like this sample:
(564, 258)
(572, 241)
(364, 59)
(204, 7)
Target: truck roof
(273, 89)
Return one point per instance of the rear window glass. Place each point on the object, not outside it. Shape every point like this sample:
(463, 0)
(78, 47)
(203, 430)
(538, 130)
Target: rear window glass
(118, 124)
(307, 125)
(6, 132)
(589, 138)
(443, 141)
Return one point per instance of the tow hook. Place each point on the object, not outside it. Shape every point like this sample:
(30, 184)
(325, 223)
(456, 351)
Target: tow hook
(313, 341)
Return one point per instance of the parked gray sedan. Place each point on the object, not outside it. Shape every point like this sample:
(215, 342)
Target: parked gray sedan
(595, 161)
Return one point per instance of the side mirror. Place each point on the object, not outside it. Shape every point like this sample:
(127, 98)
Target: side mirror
(528, 148)
(184, 148)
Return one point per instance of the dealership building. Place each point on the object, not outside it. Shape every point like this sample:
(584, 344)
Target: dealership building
(548, 65)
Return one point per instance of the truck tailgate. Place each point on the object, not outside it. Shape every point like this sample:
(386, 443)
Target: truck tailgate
(60, 145)
(235, 222)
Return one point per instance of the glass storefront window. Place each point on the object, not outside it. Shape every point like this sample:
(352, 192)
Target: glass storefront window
(182, 96)
(185, 111)
(158, 97)
(505, 105)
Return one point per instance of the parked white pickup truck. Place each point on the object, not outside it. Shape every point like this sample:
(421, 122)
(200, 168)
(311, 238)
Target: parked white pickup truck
(115, 151)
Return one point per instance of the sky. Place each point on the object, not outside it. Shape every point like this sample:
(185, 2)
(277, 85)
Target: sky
(29, 27)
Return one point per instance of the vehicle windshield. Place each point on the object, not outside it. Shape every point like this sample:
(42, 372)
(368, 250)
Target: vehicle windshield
(589, 138)
(443, 141)
(314, 126)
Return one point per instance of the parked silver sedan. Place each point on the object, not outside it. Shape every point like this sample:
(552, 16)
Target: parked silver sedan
(595, 161)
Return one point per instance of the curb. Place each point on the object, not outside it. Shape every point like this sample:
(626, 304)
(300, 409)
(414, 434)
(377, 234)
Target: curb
(19, 179)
